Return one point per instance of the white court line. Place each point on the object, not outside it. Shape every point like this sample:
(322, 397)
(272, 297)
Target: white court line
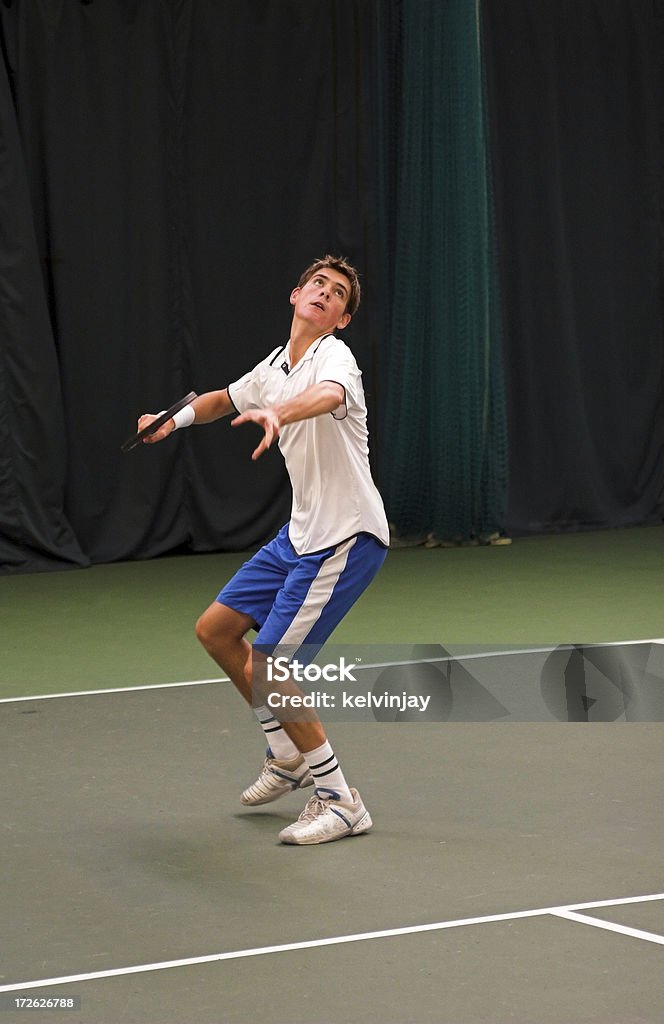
(357, 668)
(116, 689)
(334, 941)
(609, 926)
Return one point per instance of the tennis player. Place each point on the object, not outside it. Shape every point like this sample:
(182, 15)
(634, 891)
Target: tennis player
(308, 395)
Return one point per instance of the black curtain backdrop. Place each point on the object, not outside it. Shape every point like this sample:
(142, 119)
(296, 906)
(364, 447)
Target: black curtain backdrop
(172, 167)
(576, 102)
(33, 465)
(167, 167)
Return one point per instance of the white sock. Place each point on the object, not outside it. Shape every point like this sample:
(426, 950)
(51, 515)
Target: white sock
(328, 776)
(278, 741)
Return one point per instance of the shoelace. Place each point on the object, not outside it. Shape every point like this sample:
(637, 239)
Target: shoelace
(313, 808)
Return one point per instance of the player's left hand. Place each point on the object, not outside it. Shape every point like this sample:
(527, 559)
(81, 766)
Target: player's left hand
(265, 418)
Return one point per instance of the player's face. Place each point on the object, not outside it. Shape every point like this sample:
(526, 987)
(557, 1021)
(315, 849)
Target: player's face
(323, 299)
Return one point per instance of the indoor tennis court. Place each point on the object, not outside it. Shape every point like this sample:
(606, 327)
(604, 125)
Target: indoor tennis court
(514, 867)
(412, 250)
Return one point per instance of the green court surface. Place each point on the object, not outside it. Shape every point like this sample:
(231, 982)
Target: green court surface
(132, 623)
(513, 874)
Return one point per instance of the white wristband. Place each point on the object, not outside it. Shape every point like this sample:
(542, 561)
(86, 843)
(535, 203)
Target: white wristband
(184, 418)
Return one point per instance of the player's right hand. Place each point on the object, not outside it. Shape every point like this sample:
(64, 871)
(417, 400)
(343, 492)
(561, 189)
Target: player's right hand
(146, 419)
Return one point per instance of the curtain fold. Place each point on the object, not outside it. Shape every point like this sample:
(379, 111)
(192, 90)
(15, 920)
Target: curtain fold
(34, 529)
(576, 98)
(181, 162)
(443, 443)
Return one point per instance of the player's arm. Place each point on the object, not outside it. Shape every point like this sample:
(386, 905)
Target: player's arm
(206, 408)
(324, 397)
(212, 406)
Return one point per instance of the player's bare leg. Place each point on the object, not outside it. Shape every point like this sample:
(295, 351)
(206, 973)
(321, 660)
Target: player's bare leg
(222, 631)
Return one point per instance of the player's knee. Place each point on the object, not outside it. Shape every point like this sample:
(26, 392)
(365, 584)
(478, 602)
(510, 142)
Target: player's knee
(213, 634)
(204, 633)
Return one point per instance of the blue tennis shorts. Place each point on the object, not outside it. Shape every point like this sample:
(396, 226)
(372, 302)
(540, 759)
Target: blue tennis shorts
(300, 599)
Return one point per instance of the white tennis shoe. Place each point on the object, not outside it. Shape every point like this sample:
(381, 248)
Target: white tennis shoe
(276, 779)
(324, 820)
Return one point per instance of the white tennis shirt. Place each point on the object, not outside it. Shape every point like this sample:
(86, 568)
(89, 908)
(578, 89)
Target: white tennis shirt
(327, 457)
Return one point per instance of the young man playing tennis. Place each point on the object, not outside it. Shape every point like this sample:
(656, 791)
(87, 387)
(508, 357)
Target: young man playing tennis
(307, 394)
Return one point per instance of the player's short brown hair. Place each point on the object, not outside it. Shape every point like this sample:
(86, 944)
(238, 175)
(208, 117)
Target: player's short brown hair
(342, 266)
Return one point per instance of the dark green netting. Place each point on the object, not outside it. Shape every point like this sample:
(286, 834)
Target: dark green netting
(443, 437)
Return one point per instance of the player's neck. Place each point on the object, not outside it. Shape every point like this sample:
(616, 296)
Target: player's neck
(302, 337)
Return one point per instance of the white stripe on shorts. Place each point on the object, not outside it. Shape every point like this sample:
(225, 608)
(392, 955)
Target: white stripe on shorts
(319, 593)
